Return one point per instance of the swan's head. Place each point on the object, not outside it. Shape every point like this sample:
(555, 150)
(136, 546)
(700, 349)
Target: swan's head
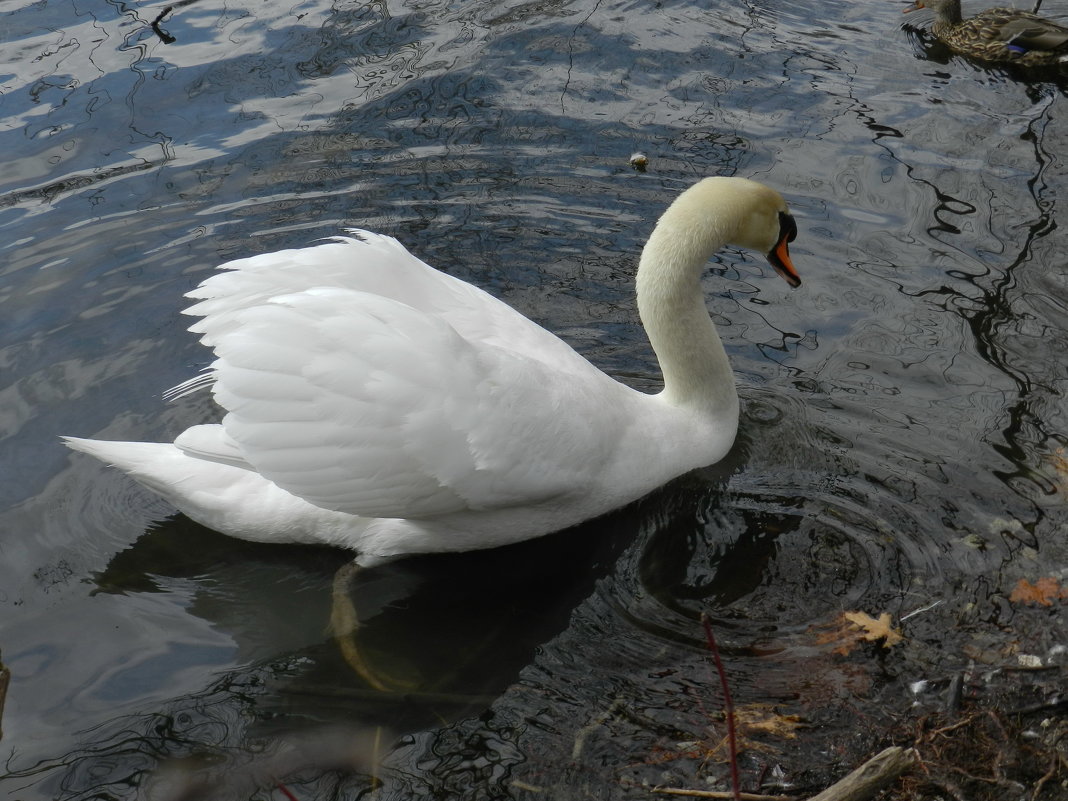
(766, 225)
(737, 211)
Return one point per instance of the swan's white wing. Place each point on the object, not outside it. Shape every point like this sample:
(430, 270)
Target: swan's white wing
(382, 266)
(362, 404)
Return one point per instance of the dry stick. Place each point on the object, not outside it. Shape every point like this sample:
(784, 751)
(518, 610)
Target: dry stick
(732, 742)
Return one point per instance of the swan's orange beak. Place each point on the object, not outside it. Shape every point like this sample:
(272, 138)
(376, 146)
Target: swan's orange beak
(914, 7)
(779, 257)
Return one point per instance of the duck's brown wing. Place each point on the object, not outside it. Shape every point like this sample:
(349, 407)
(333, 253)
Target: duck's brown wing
(1033, 34)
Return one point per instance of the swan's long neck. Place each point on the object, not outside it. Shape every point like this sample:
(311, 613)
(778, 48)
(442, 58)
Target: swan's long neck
(697, 373)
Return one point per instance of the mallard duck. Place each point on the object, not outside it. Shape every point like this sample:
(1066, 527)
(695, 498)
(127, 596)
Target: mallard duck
(999, 35)
(378, 404)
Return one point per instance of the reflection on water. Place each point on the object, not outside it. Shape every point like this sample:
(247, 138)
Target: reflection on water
(904, 423)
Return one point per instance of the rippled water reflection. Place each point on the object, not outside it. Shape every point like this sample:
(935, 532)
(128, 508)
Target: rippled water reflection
(904, 431)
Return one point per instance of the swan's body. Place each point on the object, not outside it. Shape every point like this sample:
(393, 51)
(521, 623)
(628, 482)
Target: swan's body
(378, 404)
(998, 35)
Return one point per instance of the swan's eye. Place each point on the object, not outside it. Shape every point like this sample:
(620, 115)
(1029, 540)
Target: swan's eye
(787, 227)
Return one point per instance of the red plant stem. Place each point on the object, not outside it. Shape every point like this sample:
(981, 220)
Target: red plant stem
(728, 703)
(285, 790)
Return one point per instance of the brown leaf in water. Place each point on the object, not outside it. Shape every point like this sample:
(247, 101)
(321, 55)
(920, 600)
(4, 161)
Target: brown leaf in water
(850, 629)
(1043, 592)
(763, 719)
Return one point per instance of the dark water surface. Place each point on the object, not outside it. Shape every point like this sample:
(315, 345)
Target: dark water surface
(904, 440)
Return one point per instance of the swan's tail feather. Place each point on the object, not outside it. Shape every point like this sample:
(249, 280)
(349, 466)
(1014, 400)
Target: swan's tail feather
(156, 465)
(223, 495)
(118, 454)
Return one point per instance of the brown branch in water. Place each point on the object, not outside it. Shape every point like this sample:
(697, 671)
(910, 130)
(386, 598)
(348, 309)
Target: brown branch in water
(1049, 774)
(953, 726)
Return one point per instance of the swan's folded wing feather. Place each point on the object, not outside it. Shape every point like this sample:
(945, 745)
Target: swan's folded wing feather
(361, 404)
(211, 443)
(379, 265)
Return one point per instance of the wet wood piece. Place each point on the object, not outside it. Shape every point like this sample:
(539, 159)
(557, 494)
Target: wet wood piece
(861, 784)
(874, 775)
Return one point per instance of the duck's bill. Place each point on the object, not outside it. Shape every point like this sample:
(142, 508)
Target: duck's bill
(779, 257)
(913, 7)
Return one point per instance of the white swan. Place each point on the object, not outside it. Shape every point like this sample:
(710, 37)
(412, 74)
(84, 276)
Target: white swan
(377, 404)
